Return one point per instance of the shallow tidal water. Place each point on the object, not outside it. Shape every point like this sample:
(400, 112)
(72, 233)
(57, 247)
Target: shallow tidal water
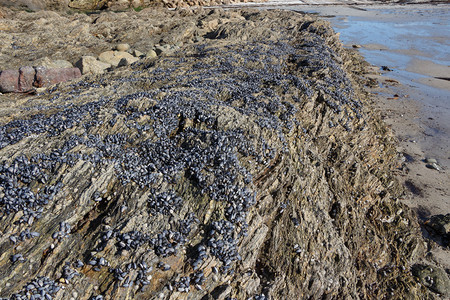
(413, 41)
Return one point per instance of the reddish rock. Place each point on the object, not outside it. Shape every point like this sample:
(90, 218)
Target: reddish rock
(26, 79)
(9, 81)
(46, 77)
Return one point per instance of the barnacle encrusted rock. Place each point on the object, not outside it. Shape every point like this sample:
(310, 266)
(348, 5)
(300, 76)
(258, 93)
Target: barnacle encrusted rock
(246, 164)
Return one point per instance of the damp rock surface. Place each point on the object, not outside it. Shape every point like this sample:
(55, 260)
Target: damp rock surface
(244, 164)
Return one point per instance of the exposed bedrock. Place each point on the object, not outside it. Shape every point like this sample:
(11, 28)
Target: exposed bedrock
(248, 164)
(116, 5)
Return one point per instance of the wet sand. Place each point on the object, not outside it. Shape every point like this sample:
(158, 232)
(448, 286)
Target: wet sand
(428, 189)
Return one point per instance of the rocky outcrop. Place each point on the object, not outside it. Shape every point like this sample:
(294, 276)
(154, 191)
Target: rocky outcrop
(123, 5)
(116, 5)
(248, 163)
(70, 36)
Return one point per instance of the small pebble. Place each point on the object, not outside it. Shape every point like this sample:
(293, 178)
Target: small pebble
(122, 47)
(137, 53)
(434, 166)
(431, 161)
(151, 54)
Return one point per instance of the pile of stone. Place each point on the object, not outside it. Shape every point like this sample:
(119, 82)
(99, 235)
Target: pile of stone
(27, 78)
(106, 60)
(121, 56)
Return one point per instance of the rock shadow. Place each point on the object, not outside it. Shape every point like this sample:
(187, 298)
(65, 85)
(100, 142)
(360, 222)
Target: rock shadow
(437, 228)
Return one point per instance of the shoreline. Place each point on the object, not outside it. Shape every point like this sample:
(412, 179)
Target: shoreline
(353, 5)
(412, 100)
(428, 189)
(414, 104)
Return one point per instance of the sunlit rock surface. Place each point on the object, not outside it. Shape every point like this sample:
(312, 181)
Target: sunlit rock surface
(248, 163)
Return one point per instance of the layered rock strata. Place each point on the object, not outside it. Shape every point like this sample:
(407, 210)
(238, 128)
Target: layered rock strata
(246, 164)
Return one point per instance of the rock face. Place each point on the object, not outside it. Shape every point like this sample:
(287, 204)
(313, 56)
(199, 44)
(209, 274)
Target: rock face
(26, 78)
(47, 77)
(248, 164)
(9, 81)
